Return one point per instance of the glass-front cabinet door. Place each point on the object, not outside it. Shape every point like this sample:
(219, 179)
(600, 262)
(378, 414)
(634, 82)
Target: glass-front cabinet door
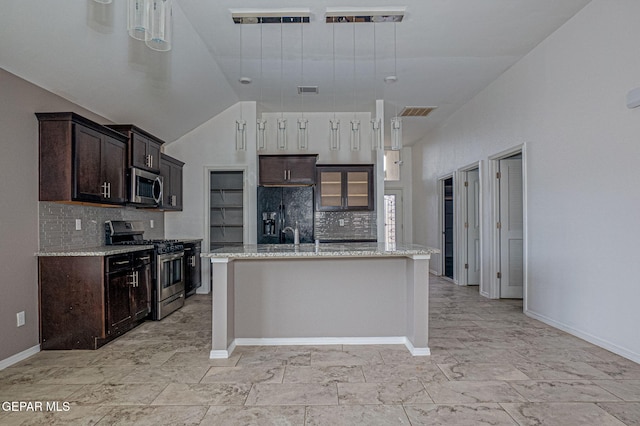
(342, 188)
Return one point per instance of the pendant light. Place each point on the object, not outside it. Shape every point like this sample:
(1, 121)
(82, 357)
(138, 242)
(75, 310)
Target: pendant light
(138, 18)
(261, 124)
(241, 125)
(104, 1)
(282, 122)
(354, 135)
(303, 130)
(334, 125)
(158, 36)
(396, 122)
(376, 123)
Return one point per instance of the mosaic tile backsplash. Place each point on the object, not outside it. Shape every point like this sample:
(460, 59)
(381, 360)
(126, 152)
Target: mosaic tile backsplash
(58, 224)
(357, 225)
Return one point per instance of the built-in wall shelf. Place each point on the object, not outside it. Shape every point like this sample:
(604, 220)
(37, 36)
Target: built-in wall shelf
(226, 218)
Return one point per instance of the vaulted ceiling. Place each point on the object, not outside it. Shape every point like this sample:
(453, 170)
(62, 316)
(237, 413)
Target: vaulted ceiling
(443, 53)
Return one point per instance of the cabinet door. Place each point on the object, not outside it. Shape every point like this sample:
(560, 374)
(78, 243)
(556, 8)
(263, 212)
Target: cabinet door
(359, 191)
(114, 163)
(141, 292)
(153, 151)
(273, 170)
(330, 190)
(118, 299)
(301, 170)
(139, 152)
(87, 180)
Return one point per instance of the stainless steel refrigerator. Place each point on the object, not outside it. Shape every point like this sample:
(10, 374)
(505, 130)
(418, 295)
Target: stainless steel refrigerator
(281, 207)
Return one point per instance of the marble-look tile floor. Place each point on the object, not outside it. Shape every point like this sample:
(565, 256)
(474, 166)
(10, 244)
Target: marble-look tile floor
(490, 364)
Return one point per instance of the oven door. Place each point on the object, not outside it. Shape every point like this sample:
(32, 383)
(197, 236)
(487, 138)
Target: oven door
(146, 187)
(170, 275)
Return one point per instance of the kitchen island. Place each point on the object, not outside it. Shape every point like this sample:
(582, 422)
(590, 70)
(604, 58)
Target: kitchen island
(306, 294)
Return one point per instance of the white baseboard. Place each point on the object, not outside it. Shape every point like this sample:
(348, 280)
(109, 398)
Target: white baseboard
(319, 341)
(19, 357)
(635, 357)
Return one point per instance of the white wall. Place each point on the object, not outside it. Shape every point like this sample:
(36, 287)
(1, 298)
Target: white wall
(566, 100)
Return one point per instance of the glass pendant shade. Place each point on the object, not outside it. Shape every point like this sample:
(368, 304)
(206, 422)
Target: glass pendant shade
(354, 137)
(138, 18)
(376, 135)
(159, 33)
(282, 133)
(334, 136)
(396, 133)
(241, 135)
(261, 136)
(303, 133)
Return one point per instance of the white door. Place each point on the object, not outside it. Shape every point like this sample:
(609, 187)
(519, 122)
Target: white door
(393, 224)
(472, 225)
(511, 229)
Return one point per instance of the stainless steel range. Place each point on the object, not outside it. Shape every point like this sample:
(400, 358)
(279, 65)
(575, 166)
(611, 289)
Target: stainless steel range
(168, 288)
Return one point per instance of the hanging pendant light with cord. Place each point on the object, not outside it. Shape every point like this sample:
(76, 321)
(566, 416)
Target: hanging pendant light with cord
(396, 122)
(241, 125)
(261, 124)
(376, 123)
(355, 123)
(282, 122)
(303, 128)
(159, 35)
(334, 125)
(138, 18)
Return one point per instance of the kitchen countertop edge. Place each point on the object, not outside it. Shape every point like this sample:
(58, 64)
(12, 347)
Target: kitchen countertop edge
(91, 251)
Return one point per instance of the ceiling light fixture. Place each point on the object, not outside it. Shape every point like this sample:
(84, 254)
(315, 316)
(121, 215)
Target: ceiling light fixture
(354, 136)
(336, 15)
(303, 128)
(261, 124)
(396, 122)
(159, 34)
(376, 123)
(241, 125)
(282, 122)
(271, 16)
(334, 125)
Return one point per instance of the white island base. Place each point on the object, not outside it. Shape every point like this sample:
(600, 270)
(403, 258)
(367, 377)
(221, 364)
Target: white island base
(336, 295)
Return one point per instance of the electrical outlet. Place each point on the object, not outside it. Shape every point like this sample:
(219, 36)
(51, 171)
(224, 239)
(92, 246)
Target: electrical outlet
(78, 224)
(20, 319)
(341, 222)
(151, 224)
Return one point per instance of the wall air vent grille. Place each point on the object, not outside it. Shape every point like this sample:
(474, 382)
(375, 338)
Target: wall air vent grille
(414, 111)
(307, 90)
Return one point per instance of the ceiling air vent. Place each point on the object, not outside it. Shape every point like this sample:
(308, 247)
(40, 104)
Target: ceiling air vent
(416, 111)
(303, 90)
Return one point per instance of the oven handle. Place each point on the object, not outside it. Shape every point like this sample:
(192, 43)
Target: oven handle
(170, 256)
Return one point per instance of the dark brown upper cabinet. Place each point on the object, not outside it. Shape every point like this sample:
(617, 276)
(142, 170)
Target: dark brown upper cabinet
(144, 148)
(80, 160)
(171, 172)
(287, 170)
(344, 187)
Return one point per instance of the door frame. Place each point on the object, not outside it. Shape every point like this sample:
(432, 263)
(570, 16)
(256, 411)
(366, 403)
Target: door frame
(461, 252)
(493, 283)
(441, 180)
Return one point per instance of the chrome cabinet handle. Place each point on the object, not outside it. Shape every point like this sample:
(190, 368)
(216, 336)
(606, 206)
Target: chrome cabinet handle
(123, 262)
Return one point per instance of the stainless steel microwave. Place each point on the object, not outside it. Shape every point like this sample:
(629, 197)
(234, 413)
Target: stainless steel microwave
(145, 187)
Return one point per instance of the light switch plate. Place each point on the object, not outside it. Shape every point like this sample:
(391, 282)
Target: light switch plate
(78, 224)
(151, 223)
(20, 319)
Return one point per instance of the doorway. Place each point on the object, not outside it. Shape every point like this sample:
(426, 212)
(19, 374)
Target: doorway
(447, 228)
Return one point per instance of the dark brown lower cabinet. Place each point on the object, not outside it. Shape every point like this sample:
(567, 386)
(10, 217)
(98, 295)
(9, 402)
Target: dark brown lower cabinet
(87, 301)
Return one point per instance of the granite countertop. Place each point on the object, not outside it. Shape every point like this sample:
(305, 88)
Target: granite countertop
(92, 251)
(324, 250)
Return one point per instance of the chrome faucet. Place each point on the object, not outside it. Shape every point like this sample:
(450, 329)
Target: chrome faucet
(295, 232)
